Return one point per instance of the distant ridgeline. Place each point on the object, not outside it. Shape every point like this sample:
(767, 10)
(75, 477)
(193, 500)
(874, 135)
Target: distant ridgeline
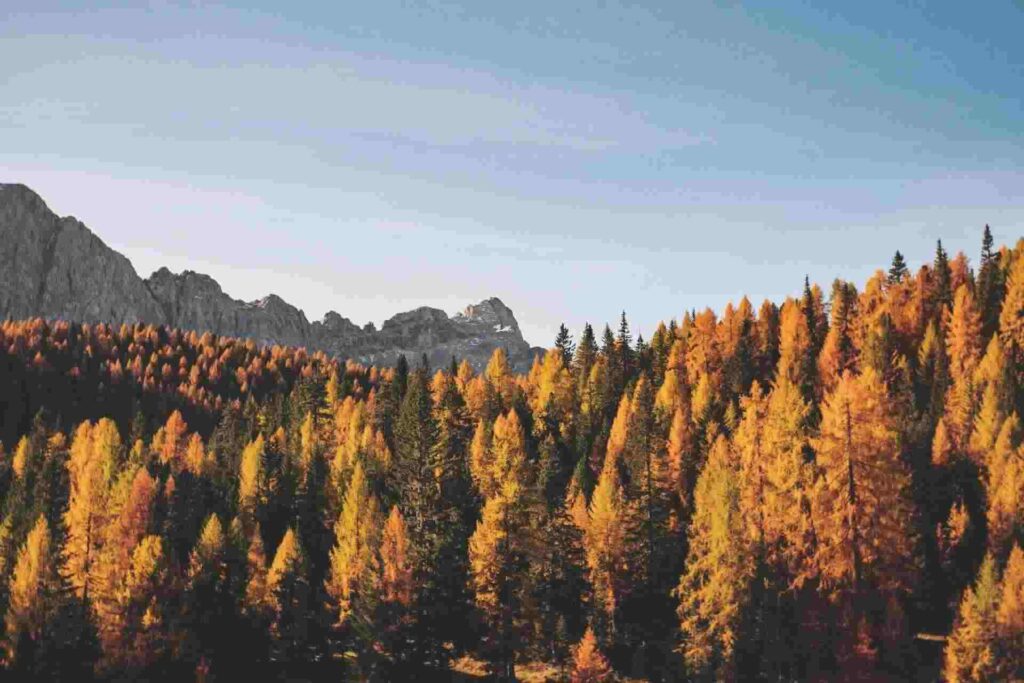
(828, 488)
(55, 268)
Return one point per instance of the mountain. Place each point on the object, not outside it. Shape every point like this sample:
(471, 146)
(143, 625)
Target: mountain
(56, 267)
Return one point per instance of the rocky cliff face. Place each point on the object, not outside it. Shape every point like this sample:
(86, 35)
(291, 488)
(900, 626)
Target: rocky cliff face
(196, 302)
(56, 268)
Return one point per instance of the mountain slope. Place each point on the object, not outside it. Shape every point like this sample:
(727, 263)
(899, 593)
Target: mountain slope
(56, 267)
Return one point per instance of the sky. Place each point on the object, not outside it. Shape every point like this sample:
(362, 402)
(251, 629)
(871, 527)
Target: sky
(574, 159)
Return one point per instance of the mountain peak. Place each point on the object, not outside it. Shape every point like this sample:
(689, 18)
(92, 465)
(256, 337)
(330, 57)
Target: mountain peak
(56, 268)
(494, 313)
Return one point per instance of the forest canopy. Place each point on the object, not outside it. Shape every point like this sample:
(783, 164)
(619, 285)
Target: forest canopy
(830, 487)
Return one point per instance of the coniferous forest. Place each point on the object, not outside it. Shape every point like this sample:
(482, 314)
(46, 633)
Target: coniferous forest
(825, 488)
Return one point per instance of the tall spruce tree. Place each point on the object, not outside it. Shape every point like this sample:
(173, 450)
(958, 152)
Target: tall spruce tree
(563, 342)
(898, 269)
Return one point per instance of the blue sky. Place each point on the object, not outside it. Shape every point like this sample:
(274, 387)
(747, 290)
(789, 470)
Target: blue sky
(574, 159)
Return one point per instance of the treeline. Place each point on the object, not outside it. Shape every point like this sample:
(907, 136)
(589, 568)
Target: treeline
(826, 489)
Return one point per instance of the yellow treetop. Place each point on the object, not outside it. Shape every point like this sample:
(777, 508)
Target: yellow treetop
(620, 429)
(714, 586)
(605, 535)
(250, 477)
(861, 511)
(30, 587)
(396, 568)
(1011, 317)
(353, 558)
(589, 665)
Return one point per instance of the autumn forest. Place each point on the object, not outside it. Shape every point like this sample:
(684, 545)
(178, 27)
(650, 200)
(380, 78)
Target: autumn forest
(826, 488)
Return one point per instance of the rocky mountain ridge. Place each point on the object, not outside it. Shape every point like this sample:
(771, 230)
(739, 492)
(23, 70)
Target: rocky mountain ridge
(57, 268)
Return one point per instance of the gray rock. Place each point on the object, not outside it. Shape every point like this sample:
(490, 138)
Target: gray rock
(56, 268)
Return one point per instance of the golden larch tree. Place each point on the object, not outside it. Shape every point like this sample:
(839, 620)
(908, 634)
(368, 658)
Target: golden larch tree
(353, 560)
(499, 546)
(31, 590)
(1011, 317)
(605, 543)
(251, 484)
(963, 347)
(862, 514)
(396, 577)
(970, 649)
(589, 664)
(1010, 618)
(714, 588)
(91, 464)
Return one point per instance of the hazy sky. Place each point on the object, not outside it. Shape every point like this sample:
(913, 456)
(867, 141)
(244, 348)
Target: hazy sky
(574, 159)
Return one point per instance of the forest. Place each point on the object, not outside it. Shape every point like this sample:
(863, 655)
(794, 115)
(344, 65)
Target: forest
(826, 488)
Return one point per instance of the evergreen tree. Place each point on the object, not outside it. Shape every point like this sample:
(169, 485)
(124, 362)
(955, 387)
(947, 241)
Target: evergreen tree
(943, 278)
(431, 520)
(990, 285)
(564, 344)
(585, 356)
(898, 270)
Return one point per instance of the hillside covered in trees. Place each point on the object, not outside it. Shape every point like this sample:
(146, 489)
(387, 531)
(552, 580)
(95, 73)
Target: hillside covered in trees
(830, 488)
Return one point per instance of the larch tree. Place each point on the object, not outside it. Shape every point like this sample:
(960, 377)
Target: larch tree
(970, 653)
(681, 464)
(605, 544)
(714, 590)
(169, 442)
(353, 562)
(863, 515)
(480, 460)
(210, 602)
(963, 348)
(796, 349)
(132, 502)
(787, 480)
(553, 397)
(499, 547)
(619, 430)
(252, 481)
(748, 442)
(839, 354)
(1010, 618)
(589, 664)
(393, 620)
(288, 588)
(774, 482)
(91, 465)
(257, 601)
(396, 578)
(1004, 483)
(31, 598)
(1011, 317)
(141, 637)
